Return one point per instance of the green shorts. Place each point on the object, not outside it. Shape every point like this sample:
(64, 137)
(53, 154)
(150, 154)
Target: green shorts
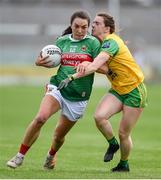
(136, 98)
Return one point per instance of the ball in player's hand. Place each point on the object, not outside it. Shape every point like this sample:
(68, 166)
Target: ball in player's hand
(54, 53)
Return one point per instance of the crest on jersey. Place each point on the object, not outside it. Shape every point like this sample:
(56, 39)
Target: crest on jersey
(106, 45)
(83, 48)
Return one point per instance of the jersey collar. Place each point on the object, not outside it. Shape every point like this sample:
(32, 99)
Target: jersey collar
(74, 40)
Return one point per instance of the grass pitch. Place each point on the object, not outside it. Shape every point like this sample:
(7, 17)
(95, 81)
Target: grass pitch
(81, 157)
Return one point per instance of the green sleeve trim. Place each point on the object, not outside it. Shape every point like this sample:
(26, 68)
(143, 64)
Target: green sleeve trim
(110, 46)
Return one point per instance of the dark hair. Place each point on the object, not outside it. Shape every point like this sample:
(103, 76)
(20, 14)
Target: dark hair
(77, 14)
(108, 21)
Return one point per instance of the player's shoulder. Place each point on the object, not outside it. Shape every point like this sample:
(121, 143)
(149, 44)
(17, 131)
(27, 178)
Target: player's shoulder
(113, 38)
(93, 38)
(62, 38)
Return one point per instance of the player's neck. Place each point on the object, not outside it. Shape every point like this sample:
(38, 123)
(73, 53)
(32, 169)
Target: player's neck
(105, 35)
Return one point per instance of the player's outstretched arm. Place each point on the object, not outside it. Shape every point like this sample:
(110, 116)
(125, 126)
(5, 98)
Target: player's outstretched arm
(103, 69)
(86, 69)
(98, 65)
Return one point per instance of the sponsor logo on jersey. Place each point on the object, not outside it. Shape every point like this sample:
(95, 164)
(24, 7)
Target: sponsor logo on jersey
(73, 59)
(106, 45)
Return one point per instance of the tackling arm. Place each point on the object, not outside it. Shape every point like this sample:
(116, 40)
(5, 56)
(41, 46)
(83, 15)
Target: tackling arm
(98, 65)
(103, 69)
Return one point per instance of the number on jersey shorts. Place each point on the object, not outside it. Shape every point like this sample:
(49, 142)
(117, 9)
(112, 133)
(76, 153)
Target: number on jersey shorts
(72, 110)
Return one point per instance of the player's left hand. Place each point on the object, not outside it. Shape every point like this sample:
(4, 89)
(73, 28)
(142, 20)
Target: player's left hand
(82, 67)
(64, 83)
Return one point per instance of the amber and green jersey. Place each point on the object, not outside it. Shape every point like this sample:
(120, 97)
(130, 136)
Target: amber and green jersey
(124, 74)
(73, 53)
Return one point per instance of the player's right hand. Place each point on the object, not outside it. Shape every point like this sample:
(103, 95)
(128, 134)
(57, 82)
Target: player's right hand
(41, 61)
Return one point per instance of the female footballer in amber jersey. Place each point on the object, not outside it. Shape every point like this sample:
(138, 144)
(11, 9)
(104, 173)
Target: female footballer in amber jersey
(127, 94)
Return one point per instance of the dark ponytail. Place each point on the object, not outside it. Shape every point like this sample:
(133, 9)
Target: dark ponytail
(68, 30)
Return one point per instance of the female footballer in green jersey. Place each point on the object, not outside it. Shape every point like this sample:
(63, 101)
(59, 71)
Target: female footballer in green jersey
(127, 94)
(77, 46)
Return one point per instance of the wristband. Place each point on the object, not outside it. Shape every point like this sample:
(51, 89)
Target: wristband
(71, 78)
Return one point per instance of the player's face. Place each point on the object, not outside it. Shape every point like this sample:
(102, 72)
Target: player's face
(79, 28)
(98, 26)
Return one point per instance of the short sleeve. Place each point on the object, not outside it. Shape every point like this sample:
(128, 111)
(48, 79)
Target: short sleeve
(110, 46)
(58, 40)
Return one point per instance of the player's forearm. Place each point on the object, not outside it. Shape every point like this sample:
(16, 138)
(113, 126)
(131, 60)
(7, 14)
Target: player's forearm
(88, 70)
(99, 64)
(103, 69)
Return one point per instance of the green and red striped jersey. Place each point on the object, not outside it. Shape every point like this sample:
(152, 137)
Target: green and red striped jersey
(73, 53)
